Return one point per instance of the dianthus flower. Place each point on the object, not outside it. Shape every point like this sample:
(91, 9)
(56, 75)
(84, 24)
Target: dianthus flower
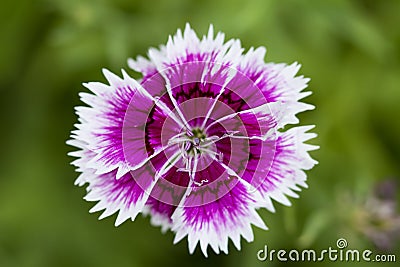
(198, 143)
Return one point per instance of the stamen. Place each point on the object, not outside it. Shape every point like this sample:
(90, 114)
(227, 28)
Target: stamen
(191, 144)
(215, 155)
(213, 139)
(196, 141)
(187, 146)
(192, 176)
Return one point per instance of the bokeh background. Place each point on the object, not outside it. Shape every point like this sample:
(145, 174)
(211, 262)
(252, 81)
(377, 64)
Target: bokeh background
(350, 49)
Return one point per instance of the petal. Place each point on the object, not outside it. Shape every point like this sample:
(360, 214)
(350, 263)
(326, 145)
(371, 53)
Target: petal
(127, 195)
(160, 213)
(255, 123)
(175, 184)
(213, 223)
(146, 131)
(278, 83)
(171, 186)
(102, 122)
(83, 155)
(287, 168)
(187, 47)
(166, 195)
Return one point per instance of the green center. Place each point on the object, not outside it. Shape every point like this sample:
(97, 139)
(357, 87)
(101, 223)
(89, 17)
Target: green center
(196, 137)
(198, 133)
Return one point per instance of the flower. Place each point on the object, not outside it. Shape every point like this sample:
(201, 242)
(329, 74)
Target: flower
(374, 216)
(198, 142)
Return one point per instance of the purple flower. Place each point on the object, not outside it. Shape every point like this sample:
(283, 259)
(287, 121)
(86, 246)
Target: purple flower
(198, 142)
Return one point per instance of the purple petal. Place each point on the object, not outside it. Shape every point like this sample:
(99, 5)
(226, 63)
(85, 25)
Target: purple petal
(278, 83)
(127, 195)
(287, 168)
(213, 223)
(102, 122)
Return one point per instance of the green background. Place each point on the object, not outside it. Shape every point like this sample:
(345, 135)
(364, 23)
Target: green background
(349, 49)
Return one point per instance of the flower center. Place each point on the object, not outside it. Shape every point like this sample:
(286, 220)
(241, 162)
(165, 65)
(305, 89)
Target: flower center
(195, 139)
(194, 144)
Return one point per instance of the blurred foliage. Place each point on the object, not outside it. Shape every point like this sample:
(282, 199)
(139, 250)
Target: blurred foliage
(350, 49)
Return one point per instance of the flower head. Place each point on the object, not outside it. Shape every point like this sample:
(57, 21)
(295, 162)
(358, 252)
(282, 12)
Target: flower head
(198, 142)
